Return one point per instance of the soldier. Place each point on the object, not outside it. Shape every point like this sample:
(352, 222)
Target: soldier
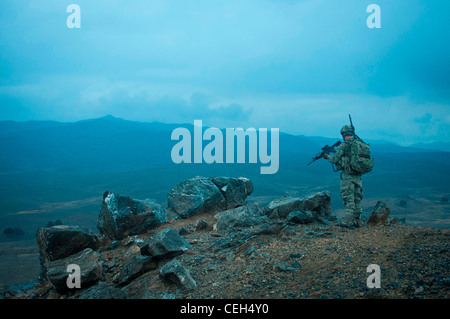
(351, 182)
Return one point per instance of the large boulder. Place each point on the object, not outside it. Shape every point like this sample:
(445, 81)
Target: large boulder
(121, 216)
(379, 214)
(301, 217)
(282, 207)
(195, 195)
(90, 265)
(201, 194)
(61, 241)
(167, 243)
(319, 203)
(235, 190)
(240, 217)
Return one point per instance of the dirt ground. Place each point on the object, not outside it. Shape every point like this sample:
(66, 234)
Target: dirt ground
(312, 261)
(286, 261)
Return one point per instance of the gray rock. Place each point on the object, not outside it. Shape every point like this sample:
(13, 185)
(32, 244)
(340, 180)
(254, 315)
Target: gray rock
(62, 241)
(201, 225)
(167, 243)
(139, 289)
(230, 256)
(184, 231)
(235, 190)
(235, 239)
(301, 217)
(121, 216)
(90, 264)
(175, 273)
(319, 203)
(379, 214)
(131, 251)
(324, 221)
(282, 207)
(136, 266)
(195, 195)
(240, 217)
(282, 267)
(114, 244)
(249, 250)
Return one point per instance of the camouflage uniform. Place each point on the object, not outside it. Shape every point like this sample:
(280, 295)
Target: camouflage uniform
(351, 182)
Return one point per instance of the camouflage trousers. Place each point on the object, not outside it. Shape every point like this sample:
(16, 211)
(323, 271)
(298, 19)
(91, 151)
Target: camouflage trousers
(352, 194)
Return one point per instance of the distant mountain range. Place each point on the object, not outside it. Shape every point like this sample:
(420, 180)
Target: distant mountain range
(437, 146)
(113, 144)
(54, 170)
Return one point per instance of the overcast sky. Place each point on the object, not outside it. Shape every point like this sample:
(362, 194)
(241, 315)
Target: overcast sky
(300, 66)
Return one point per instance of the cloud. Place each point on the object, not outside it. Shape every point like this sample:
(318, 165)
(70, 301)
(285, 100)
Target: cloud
(301, 66)
(398, 119)
(424, 120)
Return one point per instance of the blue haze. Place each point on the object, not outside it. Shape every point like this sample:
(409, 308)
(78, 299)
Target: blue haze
(300, 66)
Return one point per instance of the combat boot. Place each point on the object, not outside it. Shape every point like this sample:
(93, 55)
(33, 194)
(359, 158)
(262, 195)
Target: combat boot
(356, 219)
(356, 222)
(347, 221)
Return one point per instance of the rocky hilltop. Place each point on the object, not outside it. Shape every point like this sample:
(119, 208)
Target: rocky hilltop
(209, 242)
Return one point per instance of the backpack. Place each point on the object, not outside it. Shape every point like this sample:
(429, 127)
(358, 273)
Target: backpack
(360, 159)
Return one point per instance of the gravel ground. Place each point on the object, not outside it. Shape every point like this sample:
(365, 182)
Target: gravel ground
(314, 261)
(280, 261)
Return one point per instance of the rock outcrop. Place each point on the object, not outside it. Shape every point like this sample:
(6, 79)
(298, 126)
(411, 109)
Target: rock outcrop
(122, 216)
(204, 195)
(61, 241)
(194, 196)
(167, 243)
(301, 217)
(132, 244)
(240, 217)
(319, 203)
(90, 267)
(142, 253)
(234, 190)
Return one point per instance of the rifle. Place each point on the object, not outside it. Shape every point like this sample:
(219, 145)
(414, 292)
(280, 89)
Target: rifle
(325, 150)
(351, 123)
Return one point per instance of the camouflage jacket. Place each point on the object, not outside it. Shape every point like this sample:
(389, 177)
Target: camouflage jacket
(342, 157)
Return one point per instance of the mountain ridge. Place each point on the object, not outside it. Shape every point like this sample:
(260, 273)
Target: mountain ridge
(7, 126)
(69, 162)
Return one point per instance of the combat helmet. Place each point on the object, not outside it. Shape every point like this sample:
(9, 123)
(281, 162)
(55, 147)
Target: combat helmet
(347, 130)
